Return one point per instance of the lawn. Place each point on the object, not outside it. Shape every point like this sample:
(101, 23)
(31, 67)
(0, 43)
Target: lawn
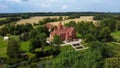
(115, 47)
(3, 46)
(78, 35)
(25, 46)
(3, 43)
(2, 18)
(116, 35)
(67, 48)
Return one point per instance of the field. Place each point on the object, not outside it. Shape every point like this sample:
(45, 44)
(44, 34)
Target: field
(82, 18)
(116, 35)
(115, 47)
(3, 46)
(2, 18)
(37, 18)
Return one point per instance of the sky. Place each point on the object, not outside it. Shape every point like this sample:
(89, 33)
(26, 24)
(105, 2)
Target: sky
(17, 6)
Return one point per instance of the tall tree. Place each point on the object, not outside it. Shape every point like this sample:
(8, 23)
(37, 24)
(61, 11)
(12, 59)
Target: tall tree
(13, 48)
(43, 37)
(108, 22)
(57, 40)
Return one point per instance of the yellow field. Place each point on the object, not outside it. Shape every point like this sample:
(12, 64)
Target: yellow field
(33, 20)
(82, 18)
(37, 18)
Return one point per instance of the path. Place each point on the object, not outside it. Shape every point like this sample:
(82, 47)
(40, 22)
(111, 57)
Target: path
(75, 44)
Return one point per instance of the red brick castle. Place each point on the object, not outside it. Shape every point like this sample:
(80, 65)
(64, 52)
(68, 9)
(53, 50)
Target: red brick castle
(65, 33)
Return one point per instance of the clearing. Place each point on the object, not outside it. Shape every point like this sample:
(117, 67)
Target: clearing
(116, 35)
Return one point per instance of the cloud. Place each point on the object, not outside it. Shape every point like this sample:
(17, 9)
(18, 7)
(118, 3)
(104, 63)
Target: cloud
(45, 5)
(64, 7)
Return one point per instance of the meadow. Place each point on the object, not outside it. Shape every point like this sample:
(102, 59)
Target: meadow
(116, 35)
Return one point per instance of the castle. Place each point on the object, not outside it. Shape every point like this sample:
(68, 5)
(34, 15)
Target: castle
(65, 33)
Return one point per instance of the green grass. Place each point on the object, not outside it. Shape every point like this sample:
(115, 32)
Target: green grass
(66, 48)
(115, 47)
(116, 35)
(2, 18)
(25, 46)
(3, 43)
(3, 46)
(78, 35)
(3, 52)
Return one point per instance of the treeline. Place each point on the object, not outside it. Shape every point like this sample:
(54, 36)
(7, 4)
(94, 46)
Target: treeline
(46, 20)
(9, 20)
(55, 14)
(102, 16)
(15, 29)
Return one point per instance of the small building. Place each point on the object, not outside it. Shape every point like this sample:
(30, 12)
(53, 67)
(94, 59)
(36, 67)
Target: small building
(65, 33)
(6, 38)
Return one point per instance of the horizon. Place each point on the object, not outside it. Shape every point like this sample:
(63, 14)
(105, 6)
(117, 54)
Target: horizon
(32, 6)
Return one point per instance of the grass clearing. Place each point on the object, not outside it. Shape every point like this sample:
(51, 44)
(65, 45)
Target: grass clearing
(67, 48)
(3, 43)
(115, 47)
(78, 35)
(25, 46)
(3, 47)
(2, 18)
(116, 35)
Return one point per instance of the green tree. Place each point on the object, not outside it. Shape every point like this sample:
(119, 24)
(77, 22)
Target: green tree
(104, 35)
(57, 40)
(42, 39)
(13, 48)
(25, 16)
(118, 25)
(71, 24)
(108, 22)
(60, 18)
(65, 60)
(34, 43)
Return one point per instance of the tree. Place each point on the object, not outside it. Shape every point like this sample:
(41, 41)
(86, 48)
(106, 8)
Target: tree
(57, 40)
(34, 43)
(71, 24)
(42, 38)
(60, 18)
(104, 35)
(65, 60)
(108, 22)
(24, 36)
(13, 48)
(25, 16)
(118, 26)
